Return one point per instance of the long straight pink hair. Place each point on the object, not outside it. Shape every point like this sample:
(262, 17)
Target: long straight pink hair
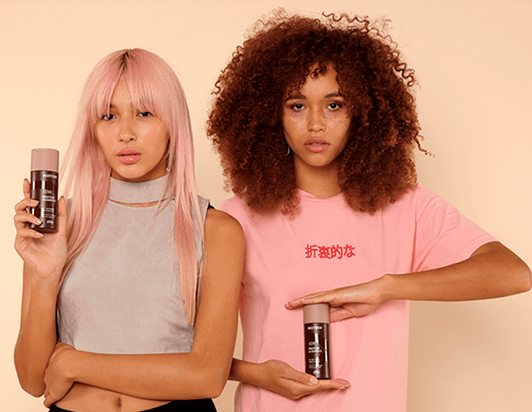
(154, 87)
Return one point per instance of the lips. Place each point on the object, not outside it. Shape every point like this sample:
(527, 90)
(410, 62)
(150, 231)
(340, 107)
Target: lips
(128, 156)
(316, 145)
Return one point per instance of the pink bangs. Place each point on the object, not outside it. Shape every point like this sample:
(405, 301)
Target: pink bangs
(141, 75)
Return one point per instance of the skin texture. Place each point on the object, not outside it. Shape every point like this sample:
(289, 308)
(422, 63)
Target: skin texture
(315, 125)
(85, 381)
(137, 131)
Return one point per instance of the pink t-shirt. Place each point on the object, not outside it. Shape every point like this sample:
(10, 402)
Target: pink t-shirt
(328, 245)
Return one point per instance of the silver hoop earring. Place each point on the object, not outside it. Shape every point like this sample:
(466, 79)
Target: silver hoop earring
(288, 151)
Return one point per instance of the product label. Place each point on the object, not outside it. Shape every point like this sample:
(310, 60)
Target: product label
(317, 350)
(44, 188)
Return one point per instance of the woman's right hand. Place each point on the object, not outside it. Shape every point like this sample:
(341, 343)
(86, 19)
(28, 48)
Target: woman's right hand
(279, 377)
(55, 377)
(44, 254)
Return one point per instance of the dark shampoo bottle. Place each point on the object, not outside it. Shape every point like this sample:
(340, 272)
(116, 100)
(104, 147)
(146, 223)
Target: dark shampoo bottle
(316, 323)
(44, 188)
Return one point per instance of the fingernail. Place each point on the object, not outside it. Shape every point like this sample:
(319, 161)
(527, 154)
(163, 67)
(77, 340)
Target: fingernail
(313, 380)
(38, 234)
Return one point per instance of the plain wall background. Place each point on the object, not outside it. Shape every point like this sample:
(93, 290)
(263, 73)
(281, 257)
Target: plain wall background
(473, 62)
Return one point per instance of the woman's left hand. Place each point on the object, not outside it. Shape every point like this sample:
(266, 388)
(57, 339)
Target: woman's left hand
(56, 381)
(347, 302)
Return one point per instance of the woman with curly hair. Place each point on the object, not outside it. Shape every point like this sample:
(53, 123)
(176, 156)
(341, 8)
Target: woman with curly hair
(315, 121)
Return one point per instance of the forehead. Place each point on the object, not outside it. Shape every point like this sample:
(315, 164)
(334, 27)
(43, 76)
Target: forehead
(121, 95)
(127, 96)
(319, 84)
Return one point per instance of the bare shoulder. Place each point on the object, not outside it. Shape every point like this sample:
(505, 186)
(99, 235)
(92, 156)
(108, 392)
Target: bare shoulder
(224, 244)
(221, 226)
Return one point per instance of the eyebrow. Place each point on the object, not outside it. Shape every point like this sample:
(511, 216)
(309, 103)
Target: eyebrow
(112, 107)
(302, 96)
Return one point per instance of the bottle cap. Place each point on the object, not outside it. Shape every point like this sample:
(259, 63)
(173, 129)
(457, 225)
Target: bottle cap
(45, 159)
(316, 313)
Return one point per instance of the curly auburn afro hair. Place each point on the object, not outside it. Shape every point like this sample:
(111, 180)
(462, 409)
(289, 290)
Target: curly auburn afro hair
(376, 167)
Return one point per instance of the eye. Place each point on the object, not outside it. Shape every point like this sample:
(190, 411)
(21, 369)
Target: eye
(145, 114)
(335, 106)
(108, 116)
(297, 106)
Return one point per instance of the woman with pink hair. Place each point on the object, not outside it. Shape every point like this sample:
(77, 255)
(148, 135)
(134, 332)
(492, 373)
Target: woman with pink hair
(128, 304)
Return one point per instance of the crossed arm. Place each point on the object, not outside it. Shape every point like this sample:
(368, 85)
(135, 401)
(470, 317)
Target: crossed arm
(200, 373)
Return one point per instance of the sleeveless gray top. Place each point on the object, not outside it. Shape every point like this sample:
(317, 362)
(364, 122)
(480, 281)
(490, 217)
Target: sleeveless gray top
(122, 294)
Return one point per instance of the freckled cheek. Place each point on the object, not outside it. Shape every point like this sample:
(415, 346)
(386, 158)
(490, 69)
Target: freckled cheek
(293, 125)
(342, 123)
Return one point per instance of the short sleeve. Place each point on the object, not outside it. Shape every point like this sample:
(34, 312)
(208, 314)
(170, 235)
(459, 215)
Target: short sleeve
(443, 236)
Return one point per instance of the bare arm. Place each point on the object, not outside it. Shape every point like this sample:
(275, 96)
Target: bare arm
(279, 377)
(44, 257)
(37, 335)
(491, 271)
(200, 373)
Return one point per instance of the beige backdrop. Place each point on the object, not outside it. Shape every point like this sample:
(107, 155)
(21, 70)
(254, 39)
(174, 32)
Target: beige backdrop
(473, 60)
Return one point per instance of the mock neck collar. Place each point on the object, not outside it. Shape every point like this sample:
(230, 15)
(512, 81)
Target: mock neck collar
(137, 192)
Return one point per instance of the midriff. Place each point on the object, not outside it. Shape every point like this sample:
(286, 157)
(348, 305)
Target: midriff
(86, 398)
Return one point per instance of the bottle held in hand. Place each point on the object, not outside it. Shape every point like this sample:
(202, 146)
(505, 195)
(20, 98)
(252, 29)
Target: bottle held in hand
(316, 323)
(44, 188)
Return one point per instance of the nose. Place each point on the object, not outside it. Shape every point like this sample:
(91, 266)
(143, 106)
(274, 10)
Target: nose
(127, 130)
(316, 121)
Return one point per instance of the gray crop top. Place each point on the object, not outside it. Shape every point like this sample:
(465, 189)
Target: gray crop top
(122, 294)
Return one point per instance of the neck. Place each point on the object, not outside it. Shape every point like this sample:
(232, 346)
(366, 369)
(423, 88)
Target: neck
(321, 182)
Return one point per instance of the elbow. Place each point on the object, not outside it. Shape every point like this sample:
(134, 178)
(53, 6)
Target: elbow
(214, 392)
(527, 278)
(34, 391)
(31, 387)
(212, 383)
(211, 378)
(28, 383)
(522, 278)
(518, 277)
